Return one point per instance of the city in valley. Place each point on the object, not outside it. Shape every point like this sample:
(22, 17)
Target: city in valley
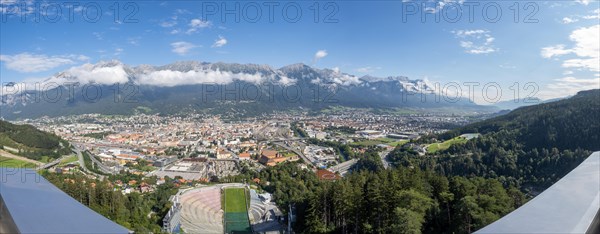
(312, 117)
(204, 148)
(204, 154)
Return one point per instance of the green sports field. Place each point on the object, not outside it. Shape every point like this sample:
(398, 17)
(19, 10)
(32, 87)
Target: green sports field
(236, 212)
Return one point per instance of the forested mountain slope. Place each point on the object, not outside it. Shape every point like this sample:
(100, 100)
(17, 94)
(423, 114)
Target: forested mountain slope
(28, 141)
(532, 146)
(566, 124)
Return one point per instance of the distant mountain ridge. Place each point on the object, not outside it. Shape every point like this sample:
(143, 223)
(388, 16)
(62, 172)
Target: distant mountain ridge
(215, 87)
(516, 103)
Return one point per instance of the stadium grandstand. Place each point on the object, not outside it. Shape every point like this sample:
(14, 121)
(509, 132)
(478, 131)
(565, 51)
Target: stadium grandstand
(201, 210)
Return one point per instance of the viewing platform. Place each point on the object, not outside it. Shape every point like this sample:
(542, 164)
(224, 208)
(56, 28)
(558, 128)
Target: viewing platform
(571, 205)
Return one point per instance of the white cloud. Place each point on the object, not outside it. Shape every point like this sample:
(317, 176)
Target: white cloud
(319, 55)
(168, 24)
(555, 50)
(285, 81)
(171, 78)
(26, 62)
(595, 15)
(436, 5)
(464, 33)
(220, 42)
(584, 55)
(134, 40)
(584, 2)
(367, 69)
(476, 41)
(98, 35)
(568, 86)
(586, 49)
(118, 51)
(104, 73)
(182, 47)
(197, 24)
(90, 73)
(507, 66)
(568, 20)
(346, 79)
(16, 8)
(8, 2)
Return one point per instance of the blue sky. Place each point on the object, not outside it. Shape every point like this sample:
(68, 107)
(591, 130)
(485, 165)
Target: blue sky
(553, 44)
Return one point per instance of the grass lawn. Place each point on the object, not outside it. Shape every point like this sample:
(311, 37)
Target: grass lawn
(46, 159)
(383, 140)
(235, 200)
(15, 163)
(435, 147)
(397, 143)
(367, 143)
(67, 160)
(236, 213)
(386, 139)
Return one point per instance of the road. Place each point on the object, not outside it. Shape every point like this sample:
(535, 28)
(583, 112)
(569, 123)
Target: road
(287, 139)
(100, 165)
(82, 162)
(343, 168)
(51, 164)
(383, 156)
(295, 151)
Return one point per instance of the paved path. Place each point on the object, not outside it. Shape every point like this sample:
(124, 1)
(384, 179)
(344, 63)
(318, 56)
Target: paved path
(9, 155)
(383, 156)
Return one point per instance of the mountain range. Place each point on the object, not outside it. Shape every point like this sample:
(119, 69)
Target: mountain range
(112, 87)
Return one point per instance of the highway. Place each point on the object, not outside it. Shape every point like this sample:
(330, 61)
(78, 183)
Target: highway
(100, 165)
(295, 151)
(51, 164)
(82, 162)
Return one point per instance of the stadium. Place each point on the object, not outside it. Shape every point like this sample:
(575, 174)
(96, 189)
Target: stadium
(222, 208)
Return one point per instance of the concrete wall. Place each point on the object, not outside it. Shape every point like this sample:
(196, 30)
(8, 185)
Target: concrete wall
(7, 225)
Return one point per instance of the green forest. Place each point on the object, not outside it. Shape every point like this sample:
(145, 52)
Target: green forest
(400, 200)
(31, 142)
(531, 147)
(140, 212)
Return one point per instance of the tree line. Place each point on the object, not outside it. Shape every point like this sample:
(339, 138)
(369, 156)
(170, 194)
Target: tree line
(142, 213)
(400, 200)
